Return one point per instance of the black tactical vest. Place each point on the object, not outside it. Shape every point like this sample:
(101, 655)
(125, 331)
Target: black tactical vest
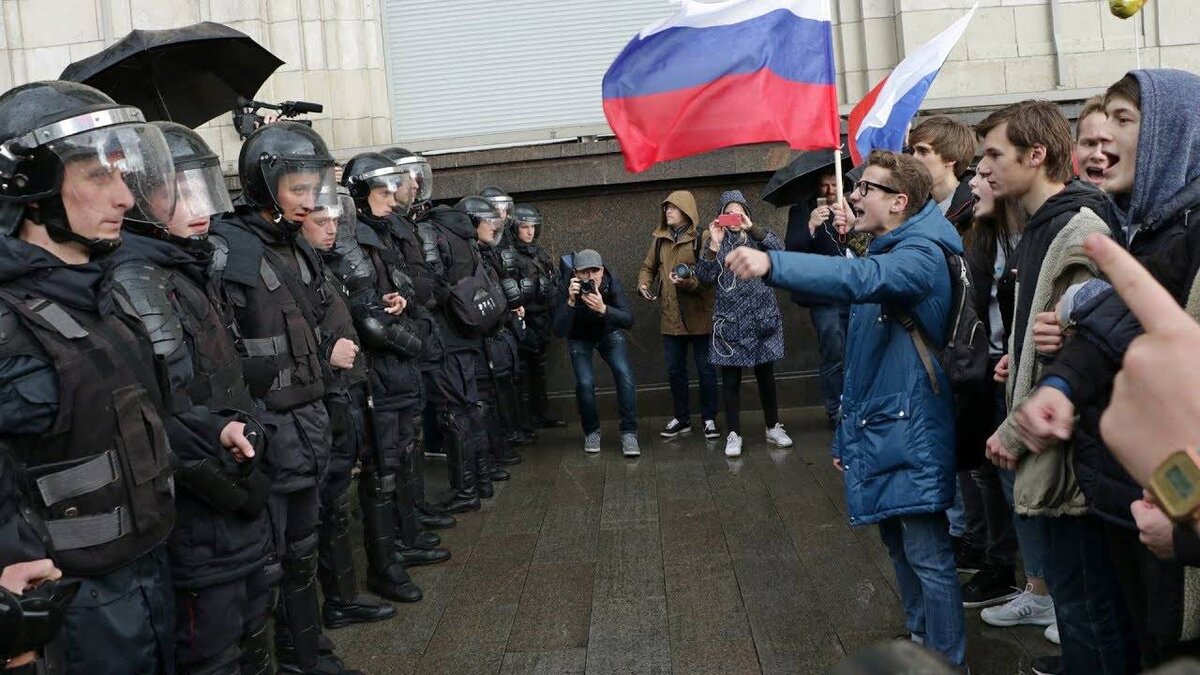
(275, 318)
(100, 478)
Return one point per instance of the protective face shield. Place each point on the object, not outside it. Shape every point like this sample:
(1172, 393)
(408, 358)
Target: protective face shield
(300, 186)
(123, 170)
(503, 204)
(200, 193)
(418, 184)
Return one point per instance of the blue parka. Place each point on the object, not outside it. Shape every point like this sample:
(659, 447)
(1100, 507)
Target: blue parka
(896, 437)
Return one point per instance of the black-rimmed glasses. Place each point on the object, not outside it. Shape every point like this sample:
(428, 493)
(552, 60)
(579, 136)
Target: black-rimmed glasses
(864, 186)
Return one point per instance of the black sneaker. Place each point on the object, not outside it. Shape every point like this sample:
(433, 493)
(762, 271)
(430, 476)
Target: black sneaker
(1047, 665)
(990, 586)
(967, 558)
(675, 428)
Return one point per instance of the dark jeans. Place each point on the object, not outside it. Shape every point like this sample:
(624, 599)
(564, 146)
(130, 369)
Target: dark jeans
(675, 348)
(731, 390)
(210, 623)
(1093, 622)
(988, 514)
(831, 321)
(612, 349)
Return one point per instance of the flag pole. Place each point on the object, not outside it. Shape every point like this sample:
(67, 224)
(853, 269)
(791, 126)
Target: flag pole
(837, 122)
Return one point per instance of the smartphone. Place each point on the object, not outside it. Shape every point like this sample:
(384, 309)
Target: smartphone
(821, 201)
(729, 220)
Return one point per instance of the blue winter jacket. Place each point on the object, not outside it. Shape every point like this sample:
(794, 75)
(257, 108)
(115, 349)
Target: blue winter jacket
(896, 437)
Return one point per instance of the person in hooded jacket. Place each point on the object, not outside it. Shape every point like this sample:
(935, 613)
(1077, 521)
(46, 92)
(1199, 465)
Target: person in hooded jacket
(895, 442)
(1148, 120)
(538, 281)
(220, 547)
(82, 414)
(1027, 157)
(686, 307)
(747, 326)
(272, 283)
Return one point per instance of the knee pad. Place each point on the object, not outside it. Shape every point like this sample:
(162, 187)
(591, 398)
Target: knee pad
(301, 557)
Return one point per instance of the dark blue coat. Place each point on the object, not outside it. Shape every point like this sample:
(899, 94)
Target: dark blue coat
(747, 326)
(896, 437)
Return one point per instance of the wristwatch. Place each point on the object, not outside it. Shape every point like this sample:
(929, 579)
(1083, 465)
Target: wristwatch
(1176, 485)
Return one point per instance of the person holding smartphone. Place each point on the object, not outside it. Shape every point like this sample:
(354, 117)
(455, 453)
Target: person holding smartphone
(747, 326)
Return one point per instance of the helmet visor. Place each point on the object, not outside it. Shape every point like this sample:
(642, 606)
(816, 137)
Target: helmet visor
(121, 171)
(503, 204)
(418, 186)
(300, 186)
(200, 193)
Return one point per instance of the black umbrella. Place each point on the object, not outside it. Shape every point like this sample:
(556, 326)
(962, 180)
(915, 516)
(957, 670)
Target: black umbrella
(798, 180)
(187, 75)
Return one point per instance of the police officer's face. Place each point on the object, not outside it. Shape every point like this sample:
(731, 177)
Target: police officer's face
(382, 201)
(182, 222)
(95, 199)
(526, 232)
(297, 194)
(487, 228)
(319, 229)
(407, 192)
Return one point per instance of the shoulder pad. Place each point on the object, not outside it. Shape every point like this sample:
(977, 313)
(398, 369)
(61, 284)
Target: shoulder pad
(147, 288)
(15, 338)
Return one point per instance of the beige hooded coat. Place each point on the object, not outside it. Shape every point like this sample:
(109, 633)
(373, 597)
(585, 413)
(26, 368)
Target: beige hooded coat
(686, 309)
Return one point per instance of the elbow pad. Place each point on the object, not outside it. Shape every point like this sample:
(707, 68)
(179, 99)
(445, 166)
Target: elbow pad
(429, 246)
(508, 260)
(512, 292)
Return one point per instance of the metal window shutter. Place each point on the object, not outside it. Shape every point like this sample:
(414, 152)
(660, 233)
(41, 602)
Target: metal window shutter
(466, 68)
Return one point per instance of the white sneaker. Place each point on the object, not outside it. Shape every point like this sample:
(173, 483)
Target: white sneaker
(1026, 608)
(591, 442)
(629, 445)
(710, 429)
(778, 437)
(1052, 633)
(733, 445)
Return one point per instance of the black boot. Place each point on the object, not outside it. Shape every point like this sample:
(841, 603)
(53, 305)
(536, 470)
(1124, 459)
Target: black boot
(385, 576)
(256, 651)
(429, 522)
(408, 519)
(297, 642)
(343, 605)
(510, 433)
(415, 557)
(499, 474)
(460, 444)
(481, 425)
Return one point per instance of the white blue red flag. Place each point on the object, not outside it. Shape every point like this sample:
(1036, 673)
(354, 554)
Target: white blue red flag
(880, 121)
(728, 73)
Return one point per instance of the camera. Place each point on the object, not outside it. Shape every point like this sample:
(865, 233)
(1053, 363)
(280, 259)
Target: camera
(246, 118)
(587, 286)
(683, 271)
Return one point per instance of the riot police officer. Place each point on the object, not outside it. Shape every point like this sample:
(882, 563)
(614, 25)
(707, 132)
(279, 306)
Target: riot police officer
(271, 281)
(82, 416)
(343, 396)
(504, 205)
(500, 345)
(538, 279)
(220, 545)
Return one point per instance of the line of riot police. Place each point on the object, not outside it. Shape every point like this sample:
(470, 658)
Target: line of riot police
(186, 386)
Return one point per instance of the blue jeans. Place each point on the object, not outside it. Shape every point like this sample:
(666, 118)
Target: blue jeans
(924, 560)
(675, 348)
(831, 321)
(1031, 532)
(1093, 621)
(612, 349)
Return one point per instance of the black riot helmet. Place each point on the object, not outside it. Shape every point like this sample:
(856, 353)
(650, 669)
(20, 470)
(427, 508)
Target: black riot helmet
(499, 198)
(200, 190)
(285, 167)
(68, 153)
(417, 168)
(526, 213)
(370, 171)
(483, 212)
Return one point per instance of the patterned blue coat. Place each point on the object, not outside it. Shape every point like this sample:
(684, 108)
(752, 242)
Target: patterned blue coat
(747, 327)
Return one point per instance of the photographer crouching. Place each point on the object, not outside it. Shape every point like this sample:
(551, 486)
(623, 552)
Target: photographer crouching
(591, 314)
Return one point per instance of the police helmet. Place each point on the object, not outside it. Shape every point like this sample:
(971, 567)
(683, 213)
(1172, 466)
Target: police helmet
(287, 157)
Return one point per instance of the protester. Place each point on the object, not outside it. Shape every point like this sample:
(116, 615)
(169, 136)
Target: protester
(747, 326)
(1027, 158)
(895, 445)
(591, 313)
(1147, 118)
(1090, 137)
(686, 309)
(947, 147)
(812, 228)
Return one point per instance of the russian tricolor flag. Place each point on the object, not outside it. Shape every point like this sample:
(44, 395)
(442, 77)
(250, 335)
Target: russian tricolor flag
(880, 120)
(720, 74)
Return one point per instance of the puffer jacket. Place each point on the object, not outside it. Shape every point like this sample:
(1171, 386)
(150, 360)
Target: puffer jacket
(747, 326)
(896, 436)
(685, 309)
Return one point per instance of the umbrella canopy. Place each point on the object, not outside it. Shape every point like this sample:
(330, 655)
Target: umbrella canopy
(798, 180)
(187, 75)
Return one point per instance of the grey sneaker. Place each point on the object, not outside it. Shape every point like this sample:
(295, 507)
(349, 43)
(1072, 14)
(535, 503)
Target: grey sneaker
(591, 441)
(629, 445)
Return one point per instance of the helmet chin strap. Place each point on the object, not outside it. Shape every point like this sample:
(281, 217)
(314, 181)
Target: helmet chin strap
(52, 215)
